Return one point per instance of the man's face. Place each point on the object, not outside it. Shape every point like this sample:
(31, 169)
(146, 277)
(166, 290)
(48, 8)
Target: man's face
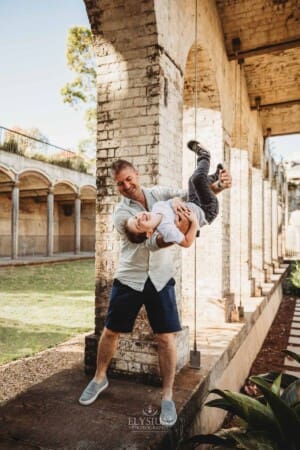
(128, 183)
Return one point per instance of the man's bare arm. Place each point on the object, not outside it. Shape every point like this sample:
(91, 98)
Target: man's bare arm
(182, 222)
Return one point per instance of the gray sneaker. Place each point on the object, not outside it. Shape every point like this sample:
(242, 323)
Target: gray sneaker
(92, 391)
(168, 414)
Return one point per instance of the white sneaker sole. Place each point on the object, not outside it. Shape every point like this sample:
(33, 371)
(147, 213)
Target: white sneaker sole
(167, 424)
(92, 399)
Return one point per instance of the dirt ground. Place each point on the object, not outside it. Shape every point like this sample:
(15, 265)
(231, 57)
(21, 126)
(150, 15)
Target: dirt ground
(270, 357)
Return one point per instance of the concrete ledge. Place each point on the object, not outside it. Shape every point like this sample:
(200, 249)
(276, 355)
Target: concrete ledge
(38, 260)
(228, 356)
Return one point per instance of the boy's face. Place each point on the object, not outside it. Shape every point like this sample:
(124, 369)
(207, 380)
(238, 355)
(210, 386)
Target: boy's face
(143, 222)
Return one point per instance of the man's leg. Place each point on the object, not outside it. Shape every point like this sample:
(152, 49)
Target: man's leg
(106, 349)
(163, 317)
(124, 306)
(167, 362)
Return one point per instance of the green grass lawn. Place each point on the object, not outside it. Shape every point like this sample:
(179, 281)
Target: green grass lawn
(41, 306)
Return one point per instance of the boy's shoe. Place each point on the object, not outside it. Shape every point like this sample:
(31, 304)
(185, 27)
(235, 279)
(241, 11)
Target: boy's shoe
(199, 149)
(168, 415)
(213, 177)
(92, 391)
(218, 169)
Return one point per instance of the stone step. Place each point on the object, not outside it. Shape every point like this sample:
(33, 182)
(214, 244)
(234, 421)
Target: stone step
(295, 332)
(294, 340)
(291, 362)
(291, 372)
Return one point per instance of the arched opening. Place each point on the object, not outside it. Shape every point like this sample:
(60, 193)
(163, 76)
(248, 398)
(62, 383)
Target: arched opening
(87, 218)
(64, 216)
(210, 283)
(32, 224)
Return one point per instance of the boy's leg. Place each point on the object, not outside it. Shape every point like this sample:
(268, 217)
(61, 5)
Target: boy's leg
(199, 187)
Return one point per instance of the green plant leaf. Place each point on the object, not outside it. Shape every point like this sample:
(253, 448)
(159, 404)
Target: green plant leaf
(276, 385)
(257, 415)
(296, 408)
(213, 439)
(222, 403)
(286, 379)
(287, 419)
(255, 440)
(293, 355)
(291, 395)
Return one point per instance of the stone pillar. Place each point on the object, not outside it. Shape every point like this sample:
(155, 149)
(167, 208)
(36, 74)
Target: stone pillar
(274, 206)
(257, 272)
(15, 221)
(77, 217)
(240, 226)
(50, 222)
(267, 230)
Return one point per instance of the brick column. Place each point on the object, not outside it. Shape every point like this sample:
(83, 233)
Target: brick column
(15, 220)
(257, 230)
(139, 89)
(50, 222)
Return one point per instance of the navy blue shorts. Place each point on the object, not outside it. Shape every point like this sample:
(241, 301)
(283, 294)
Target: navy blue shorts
(126, 302)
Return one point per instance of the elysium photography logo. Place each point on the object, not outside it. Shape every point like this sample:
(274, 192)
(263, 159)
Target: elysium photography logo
(147, 421)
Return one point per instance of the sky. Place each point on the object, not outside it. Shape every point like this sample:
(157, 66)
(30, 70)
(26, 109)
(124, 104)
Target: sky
(33, 36)
(286, 147)
(33, 69)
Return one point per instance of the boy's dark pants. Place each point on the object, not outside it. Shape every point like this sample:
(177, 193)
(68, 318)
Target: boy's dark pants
(199, 190)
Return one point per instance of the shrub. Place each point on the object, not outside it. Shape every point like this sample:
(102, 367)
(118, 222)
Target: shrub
(11, 146)
(270, 422)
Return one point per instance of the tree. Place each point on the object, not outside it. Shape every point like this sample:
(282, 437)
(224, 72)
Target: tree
(82, 92)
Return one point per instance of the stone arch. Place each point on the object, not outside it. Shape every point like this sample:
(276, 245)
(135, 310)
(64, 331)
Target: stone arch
(33, 179)
(88, 192)
(6, 174)
(65, 188)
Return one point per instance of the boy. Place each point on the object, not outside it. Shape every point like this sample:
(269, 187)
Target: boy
(201, 208)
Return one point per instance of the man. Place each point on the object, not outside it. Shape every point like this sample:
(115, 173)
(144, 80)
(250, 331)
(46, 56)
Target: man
(144, 276)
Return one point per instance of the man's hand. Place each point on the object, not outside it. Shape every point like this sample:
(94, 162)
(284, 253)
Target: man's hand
(178, 205)
(190, 215)
(182, 222)
(224, 182)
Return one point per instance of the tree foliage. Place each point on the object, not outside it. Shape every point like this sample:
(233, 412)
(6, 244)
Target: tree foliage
(81, 61)
(81, 93)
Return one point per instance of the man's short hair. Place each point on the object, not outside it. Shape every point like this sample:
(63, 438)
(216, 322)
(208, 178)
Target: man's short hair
(133, 236)
(119, 165)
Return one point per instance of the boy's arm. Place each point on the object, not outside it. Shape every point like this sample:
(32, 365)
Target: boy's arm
(224, 182)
